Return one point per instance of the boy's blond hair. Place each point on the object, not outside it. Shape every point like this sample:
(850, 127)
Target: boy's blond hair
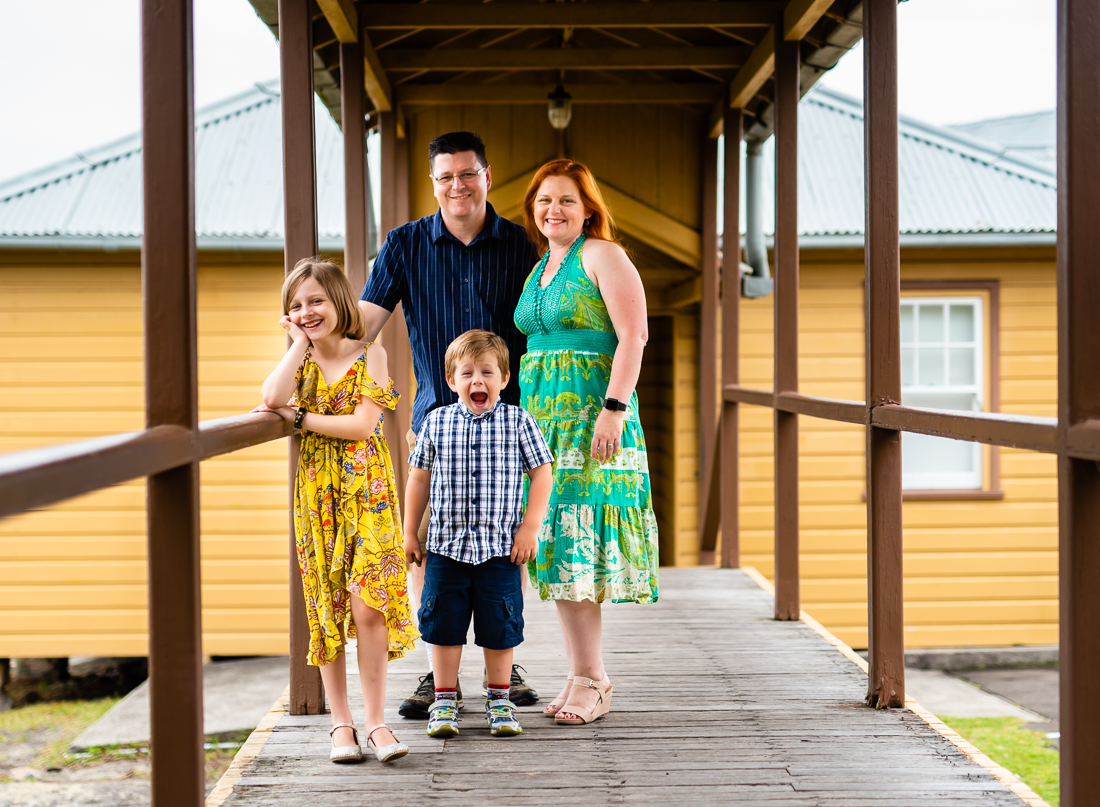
(332, 279)
(473, 344)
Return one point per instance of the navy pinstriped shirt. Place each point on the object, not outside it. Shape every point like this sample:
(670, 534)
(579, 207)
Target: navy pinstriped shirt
(447, 288)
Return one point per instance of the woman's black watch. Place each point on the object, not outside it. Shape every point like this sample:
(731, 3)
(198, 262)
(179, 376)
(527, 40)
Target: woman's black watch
(299, 416)
(614, 404)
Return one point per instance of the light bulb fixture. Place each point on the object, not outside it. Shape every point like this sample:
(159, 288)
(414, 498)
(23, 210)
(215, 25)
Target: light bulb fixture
(559, 107)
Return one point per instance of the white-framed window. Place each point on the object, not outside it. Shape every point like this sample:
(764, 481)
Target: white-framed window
(942, 367)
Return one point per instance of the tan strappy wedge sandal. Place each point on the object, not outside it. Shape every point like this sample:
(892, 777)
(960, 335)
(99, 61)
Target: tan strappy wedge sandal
(555, 705)
(581, 715)
(346, 753)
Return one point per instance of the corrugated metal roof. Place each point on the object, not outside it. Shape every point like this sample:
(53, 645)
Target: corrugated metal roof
(949, 183)
(96, 196)
(1033, 135)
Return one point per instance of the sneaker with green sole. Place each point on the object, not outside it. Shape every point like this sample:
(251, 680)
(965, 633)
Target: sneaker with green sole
(443, 718)
(501, 717)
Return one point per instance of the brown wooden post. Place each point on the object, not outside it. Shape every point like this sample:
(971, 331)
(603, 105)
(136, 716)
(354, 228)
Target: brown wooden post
(353, 117)
(300, 211)
(395, 335)
(401, 356)
(1078, 396)
(885, 624)
(168, 280)
(787, 65)
(708, 356)
(733, 127)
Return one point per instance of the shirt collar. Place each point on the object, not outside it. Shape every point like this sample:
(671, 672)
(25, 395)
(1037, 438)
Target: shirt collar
(493, 227)
(466, 413)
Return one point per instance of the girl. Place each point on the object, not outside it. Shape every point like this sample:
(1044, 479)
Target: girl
(346, 520)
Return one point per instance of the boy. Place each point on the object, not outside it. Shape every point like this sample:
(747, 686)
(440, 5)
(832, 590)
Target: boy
(471, 456)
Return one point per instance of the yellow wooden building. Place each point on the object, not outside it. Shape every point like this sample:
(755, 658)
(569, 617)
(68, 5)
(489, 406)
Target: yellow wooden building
(977, 247)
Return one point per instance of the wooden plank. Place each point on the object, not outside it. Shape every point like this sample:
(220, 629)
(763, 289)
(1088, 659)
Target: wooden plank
(757, 69)
(391, 16)
(661, 92)
(482, 59)
(801, 15)
(782, 726)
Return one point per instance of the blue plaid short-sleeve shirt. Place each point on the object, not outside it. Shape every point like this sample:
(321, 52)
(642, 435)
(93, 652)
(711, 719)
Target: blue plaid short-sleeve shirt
(477, 464)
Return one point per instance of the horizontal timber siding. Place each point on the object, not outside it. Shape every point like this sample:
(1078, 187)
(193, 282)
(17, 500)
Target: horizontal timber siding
(978, 573)
(72, 576)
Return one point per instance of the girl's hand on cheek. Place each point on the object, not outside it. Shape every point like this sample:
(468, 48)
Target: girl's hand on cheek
(293, 330)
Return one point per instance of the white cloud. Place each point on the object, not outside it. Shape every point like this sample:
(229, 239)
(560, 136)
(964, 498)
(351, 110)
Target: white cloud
(964, 60)
(70, 71)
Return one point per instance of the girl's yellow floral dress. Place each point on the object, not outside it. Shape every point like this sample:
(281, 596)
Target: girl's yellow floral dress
(347, 520)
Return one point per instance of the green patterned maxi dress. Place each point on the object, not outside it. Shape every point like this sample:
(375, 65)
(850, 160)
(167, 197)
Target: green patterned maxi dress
(599, 539)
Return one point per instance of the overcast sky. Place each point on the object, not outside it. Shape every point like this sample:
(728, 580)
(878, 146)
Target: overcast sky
(70, 69)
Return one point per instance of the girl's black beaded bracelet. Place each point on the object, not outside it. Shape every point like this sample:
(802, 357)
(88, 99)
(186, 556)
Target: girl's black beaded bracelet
(299, 417)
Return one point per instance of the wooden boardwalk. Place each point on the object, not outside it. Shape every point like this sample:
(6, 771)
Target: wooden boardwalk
(714, 703)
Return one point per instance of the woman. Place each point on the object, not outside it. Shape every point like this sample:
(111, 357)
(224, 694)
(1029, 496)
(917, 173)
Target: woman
(584, 311)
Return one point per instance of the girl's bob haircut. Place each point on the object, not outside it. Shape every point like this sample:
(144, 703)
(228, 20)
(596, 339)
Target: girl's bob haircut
(599, 223)
(332, 279)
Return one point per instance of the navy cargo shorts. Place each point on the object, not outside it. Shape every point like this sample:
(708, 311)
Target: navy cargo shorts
(490, 592)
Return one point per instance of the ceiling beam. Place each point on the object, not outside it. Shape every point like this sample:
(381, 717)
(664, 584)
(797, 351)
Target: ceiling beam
(341, 18)
(798, 18)
(561, 58)
(374, 78)
(658, 93)
(801, 15)
(693, 14)
(752, 75)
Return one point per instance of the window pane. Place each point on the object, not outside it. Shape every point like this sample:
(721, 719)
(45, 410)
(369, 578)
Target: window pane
(936, 456)
(962, 364)
(930, 322)
(930, 361)
(962, 323)
(907, 323)
(908, 371)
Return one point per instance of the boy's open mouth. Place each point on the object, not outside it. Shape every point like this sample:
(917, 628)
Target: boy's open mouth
(479, 398)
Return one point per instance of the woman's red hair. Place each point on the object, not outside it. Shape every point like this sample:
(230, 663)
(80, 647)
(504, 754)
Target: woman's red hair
(599, 223)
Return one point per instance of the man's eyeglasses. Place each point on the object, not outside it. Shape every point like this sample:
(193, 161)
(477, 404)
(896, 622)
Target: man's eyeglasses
(466, 177)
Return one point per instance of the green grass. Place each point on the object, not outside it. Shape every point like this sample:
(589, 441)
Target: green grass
(1025, 753)
(65, 719)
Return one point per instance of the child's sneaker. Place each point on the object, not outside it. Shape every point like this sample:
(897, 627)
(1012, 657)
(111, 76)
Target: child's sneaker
(501, 716)
(443, 718)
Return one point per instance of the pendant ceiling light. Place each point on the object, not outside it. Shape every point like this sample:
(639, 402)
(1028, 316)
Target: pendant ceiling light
(560, 107)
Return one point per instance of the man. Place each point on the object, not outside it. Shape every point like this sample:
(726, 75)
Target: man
(459, 269)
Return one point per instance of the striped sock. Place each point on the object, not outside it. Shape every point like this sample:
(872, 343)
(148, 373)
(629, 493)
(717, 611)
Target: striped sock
(498, 692)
